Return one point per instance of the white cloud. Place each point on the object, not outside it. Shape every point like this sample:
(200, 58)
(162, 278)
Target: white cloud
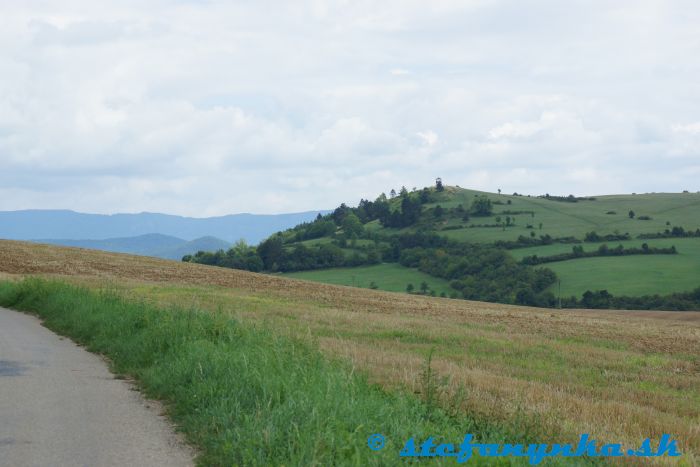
(429, 137)
(691, 128)
(216, 107)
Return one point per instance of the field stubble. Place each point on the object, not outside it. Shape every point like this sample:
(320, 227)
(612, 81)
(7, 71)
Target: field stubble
(620, 375)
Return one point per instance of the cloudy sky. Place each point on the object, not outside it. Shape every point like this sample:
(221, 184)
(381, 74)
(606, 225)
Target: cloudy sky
(213, 107)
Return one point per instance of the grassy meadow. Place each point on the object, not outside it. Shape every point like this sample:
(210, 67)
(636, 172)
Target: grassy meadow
(513, 372)
(562, 219)
(391, 277)
(625, 275)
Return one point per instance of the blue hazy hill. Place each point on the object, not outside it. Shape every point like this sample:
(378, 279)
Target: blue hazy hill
(64, 224)
(162, 246)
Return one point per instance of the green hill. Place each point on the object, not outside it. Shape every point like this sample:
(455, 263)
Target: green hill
(604, 214)
(482, 246)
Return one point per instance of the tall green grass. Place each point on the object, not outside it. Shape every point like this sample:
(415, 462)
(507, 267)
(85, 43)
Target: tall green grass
(242, 394)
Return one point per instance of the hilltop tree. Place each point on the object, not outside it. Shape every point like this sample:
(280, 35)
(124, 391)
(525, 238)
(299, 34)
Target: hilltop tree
(404, 192)
(392, 193)
(438, 185)
(339, 213)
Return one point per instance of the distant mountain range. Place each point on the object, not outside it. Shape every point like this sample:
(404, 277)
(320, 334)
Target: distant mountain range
(62, 224)
(162, 246)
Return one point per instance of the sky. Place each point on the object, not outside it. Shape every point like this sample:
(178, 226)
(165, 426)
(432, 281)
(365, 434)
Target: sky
(205, 108)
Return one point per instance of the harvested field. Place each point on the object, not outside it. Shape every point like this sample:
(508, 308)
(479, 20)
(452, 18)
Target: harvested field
(620, 375)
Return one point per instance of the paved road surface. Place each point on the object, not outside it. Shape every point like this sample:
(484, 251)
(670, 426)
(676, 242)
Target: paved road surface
(60, 406)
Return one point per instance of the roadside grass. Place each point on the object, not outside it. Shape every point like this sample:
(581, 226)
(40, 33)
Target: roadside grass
(391, 277)
(244, 395)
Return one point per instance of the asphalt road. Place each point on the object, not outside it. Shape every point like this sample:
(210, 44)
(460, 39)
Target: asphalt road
(60, 406)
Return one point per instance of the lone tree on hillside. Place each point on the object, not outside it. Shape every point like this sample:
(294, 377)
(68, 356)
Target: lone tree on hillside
(631, 214)
(424, 287)
(409, 288)
(438, 185)
(481, 206)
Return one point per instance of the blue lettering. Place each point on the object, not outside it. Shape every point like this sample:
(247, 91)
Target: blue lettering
(536, 452)
(489, 450)
(465, 449)
(445, 450)
(666, 447)
(426, 447)
(611, 450)
(409, 449)
(586, 447)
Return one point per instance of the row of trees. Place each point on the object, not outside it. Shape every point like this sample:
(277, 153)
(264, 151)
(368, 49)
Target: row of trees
(602, 299)
(674, 232)
(603, 250)
(524, 242)
(272, 256)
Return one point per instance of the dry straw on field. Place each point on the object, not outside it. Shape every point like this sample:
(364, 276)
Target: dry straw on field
(620, 375)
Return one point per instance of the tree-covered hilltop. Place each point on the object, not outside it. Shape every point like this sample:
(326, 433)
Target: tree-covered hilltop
(462, 236)
(343, 239)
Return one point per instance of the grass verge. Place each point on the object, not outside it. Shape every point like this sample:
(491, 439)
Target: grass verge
(242, 394)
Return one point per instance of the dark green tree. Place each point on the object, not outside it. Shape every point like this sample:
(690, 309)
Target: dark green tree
(271, 252)
(352, 225)
(438, 185)
(438, 212)
(424, 287)
(481, 206)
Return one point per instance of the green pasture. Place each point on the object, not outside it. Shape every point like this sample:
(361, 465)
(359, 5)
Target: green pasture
(391, 277)
(626, 275)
